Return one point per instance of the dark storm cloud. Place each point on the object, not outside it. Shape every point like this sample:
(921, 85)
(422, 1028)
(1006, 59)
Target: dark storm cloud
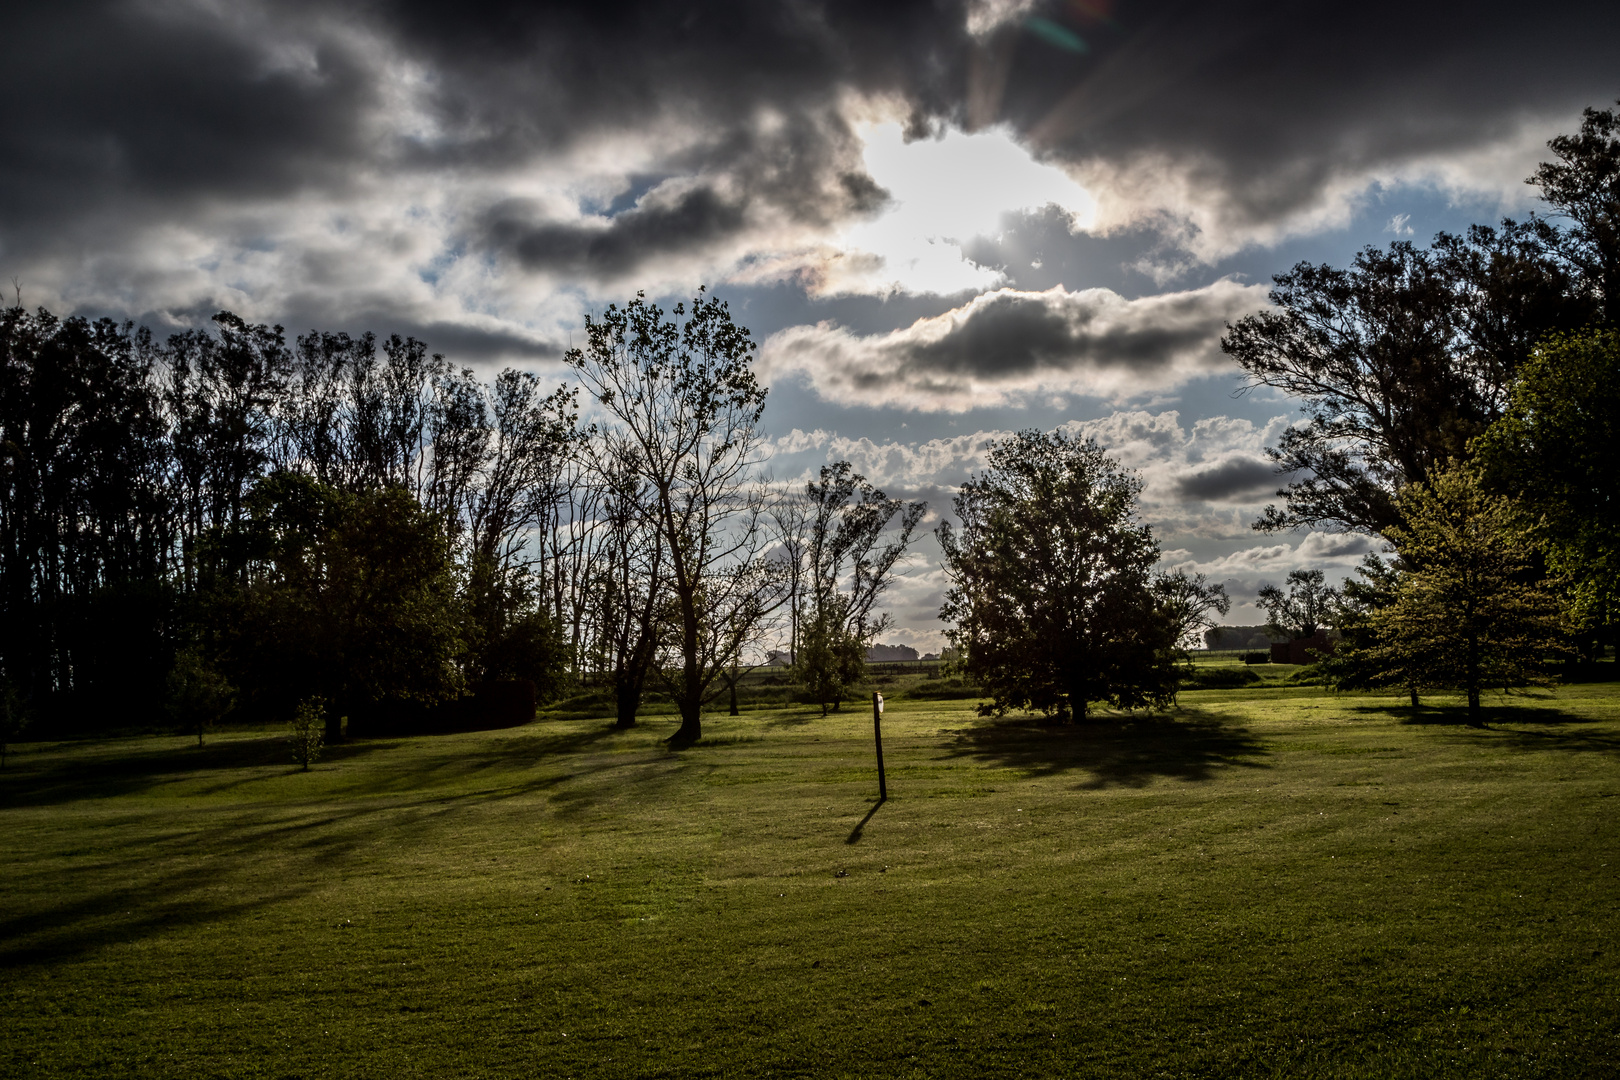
(786, 177)
(1265, 104)
(1007, 341)
(125, 117)
(1236, 479)
(119, 113)
(151, 108)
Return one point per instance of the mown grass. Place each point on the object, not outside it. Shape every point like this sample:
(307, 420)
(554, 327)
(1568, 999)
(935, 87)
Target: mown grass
(1267, 882)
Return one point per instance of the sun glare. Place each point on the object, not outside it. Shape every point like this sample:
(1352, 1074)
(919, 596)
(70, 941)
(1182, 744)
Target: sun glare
(947, 192)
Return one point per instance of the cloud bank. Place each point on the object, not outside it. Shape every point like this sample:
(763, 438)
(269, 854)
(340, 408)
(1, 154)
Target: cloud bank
(498, 167)
(1006, 344)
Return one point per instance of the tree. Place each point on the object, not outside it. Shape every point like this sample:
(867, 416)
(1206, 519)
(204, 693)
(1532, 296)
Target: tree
(1553, 451)
(86, 516)
(1405, 357)
(13, 718)
(1583, 185)
(306, 733)
(1050, 581)
(629, 596)
(1368, 351)
(1189, 602)
(198, 694)
(848, 573)
(1304, 609)
(688, 406)
(1363, 660)
(1470, 612)
(348, 597)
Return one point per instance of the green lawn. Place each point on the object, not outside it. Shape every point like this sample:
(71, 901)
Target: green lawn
(1268, 882)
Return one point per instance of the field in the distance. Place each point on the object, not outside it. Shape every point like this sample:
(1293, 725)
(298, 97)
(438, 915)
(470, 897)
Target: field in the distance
(1269, 882)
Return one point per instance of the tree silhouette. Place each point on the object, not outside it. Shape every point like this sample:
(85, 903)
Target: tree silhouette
(1050, 581)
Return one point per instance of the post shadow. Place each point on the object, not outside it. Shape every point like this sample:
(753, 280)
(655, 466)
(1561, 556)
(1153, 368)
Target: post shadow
(855, 833)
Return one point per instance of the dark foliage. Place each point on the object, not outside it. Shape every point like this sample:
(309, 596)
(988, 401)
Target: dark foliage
(161, 504)
(1050, 582)
(1409, 354)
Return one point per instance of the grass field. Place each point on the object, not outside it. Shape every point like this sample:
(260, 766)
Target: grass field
(1267, 882)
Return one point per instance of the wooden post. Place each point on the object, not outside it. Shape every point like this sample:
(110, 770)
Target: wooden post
(877, 737)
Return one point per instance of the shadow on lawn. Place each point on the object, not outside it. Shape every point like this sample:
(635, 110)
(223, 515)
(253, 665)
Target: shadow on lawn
(156, 883)
(1124, 751)
(1528, 726)
(113, 769)
(119, 767)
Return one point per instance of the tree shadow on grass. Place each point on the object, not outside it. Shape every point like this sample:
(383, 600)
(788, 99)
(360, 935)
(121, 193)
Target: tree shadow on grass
(113, 770)
(160, 881)
(1526, 726)
(123, 767)
(1115, 750)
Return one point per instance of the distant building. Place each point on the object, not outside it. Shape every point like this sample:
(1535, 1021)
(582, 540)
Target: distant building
(778, 658)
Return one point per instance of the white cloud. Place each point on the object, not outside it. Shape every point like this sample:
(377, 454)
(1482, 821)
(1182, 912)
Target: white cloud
(1003, 346)
(1202, 215)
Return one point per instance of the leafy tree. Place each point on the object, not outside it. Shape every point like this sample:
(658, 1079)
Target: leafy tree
(1470, 612)
(831, 660)
(1189, 602)
(630, 597)
(1369, 352)
(86, 516)
(1363, 660)
(688, 406)
(1050, 581)
(1583, 186)
(1554, 450)
(848, 570)
(348, 597)
(306, 733)
(1406, 356)
(1304, 609)
(198, 694)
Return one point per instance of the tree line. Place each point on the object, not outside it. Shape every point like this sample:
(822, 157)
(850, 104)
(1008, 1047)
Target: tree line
(226, 519)
(1462, 403)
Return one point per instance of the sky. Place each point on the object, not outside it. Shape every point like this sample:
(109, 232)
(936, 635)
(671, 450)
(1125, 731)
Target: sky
(943, 221)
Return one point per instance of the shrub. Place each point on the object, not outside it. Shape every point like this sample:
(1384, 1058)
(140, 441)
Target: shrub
(1220, 678)
(307, 732)
(952, 689)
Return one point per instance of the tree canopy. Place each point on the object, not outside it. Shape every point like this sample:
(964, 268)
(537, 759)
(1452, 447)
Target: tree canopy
(1470, 611)
(1555, 450)
(1051, 591)
(1402, 359)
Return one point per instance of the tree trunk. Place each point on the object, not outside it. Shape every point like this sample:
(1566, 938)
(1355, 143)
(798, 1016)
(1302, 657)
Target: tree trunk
(1473, 681)
(1413, 691)
(627, 698)
(733, 686)
(691, 729)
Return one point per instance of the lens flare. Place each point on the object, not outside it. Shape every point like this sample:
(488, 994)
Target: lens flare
(1055, 34)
